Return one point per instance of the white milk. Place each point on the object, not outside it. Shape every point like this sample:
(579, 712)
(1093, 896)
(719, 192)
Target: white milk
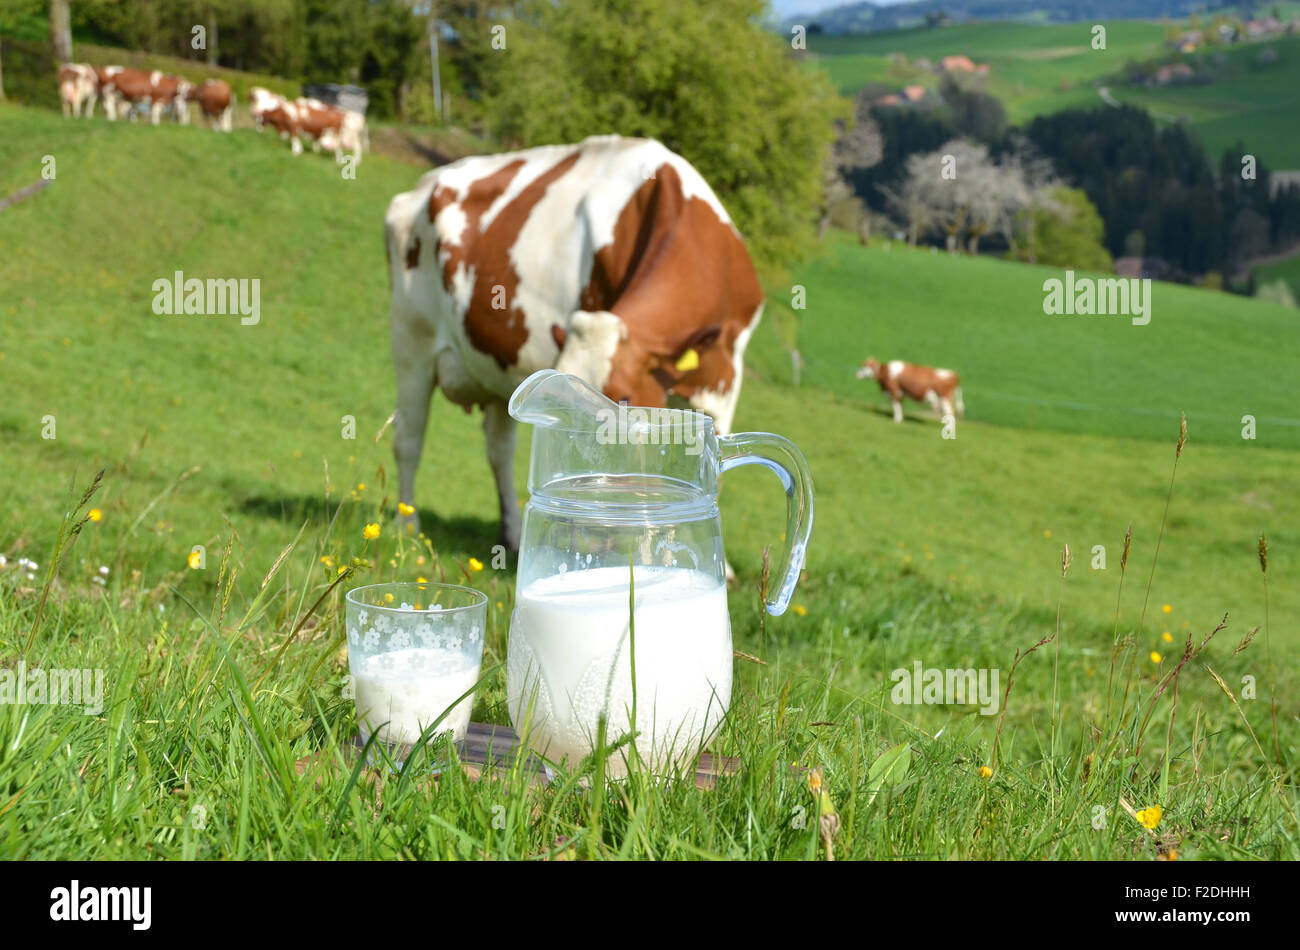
(409, 689)
(568, 655)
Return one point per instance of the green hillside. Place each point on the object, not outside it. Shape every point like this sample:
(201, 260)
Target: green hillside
(1033, 69)
(1023, 368)
(1249, 101)
(1040, 69)
(186, 391)
(219, 434)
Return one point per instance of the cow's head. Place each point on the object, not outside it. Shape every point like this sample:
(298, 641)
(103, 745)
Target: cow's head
(641, 366)
(870, 368)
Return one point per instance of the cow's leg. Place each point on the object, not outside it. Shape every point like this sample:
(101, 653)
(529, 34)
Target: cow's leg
(416, 377)
(155, 112)
(499, 429)
(898, 408)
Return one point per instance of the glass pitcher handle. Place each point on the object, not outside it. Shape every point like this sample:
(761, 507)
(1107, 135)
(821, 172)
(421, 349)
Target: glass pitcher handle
(783, 457)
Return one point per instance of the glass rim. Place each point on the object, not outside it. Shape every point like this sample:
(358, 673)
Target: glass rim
(481, 598)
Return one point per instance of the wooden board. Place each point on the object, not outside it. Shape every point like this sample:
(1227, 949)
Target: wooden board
(490, 747)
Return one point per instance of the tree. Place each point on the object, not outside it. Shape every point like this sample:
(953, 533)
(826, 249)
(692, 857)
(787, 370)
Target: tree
(975, 113)
(61, 30)
(1069, 232)
(909, 203)
(858, 148)
(705, 79)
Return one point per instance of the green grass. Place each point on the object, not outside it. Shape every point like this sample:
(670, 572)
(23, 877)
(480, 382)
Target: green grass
(227, 436)
(1249, 102)
(1041, 69)
(1034, 69)
(1287, 270)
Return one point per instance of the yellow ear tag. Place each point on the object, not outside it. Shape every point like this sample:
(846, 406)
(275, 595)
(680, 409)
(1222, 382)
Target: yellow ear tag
(688, 361)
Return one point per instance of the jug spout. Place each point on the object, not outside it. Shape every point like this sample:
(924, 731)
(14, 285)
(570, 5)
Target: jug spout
(558, 400)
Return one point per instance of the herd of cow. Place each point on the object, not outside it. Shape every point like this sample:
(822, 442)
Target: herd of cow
(124, 92)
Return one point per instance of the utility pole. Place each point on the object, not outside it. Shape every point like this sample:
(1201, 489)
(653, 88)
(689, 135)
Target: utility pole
(427, 8)
(433, 52)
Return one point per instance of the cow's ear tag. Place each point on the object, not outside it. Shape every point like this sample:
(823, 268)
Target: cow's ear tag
(688, 361)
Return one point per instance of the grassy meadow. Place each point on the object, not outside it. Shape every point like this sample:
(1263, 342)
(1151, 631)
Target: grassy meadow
(1034, 69)
(1037, 69)
(1252, 102)
(224, 713)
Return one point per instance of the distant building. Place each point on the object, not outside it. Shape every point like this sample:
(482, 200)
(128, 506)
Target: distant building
(962, 64)
(1172, 75)
(1154, 267)
(914, 93)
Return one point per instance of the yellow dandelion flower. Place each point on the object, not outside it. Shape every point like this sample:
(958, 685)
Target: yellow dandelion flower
(1150, 817)
(985, 772)
(327, 561)
(1167, 637)
(342, 568)
(388, 598)
(1167, 608)
(1156, 657)
(475, 565)
(195, 560)
(800, 610)
(815, 781)
(500, 606)
(420, 560)
(370, 531)
(1047, 532)
(405, 510)
(361, 486)
(1171, 856)
(421, 580)
(96, 515)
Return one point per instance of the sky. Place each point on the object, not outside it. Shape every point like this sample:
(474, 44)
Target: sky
(785, 8)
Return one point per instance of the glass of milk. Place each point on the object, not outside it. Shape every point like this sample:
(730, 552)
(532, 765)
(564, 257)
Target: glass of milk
(414, 652)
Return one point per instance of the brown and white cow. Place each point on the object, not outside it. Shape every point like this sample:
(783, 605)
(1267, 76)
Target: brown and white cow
(261, 101)
(170, 92)
(611, 259)
(271, 108)
(331, 128)
(78, 87)
(940, 388)
(102, 76)
(124, 88)
(217, 102)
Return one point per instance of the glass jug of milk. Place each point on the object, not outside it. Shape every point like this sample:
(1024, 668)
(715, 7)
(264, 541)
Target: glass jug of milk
(624, 506)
